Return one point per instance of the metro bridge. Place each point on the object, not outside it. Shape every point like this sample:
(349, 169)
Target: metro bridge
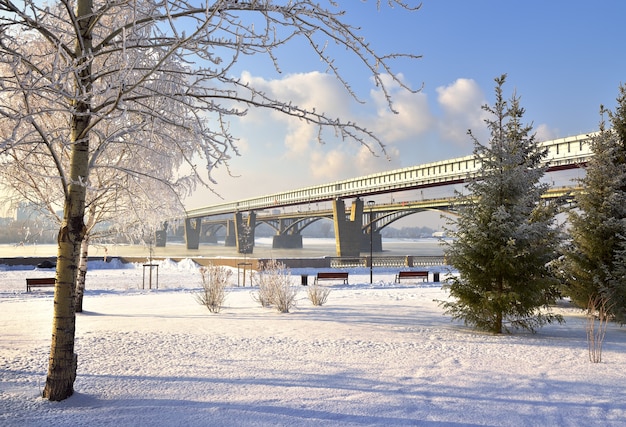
(357, 228)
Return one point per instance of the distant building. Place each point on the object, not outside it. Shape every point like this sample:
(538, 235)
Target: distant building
(26, 212)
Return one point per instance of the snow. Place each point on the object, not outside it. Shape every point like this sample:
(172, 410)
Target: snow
(373, 355)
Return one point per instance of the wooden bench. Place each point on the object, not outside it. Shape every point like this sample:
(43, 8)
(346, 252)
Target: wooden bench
(39, 282)
(332, 276)
(412, 275)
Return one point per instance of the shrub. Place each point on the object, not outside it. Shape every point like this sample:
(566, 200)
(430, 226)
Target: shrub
(214, 281)
(598, 310)
(275, 288)
(318, 295)
(263, 295)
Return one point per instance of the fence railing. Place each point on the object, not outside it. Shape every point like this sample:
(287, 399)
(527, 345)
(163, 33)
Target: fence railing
(387, 261)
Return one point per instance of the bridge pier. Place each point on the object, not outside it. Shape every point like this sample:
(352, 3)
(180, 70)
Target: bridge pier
(210, 238)
(192, 232)
(288, 236)
(160, 236)
(244, 229)
(287, 241)
(348, 233)
(208, 233)
(369, 228)
(230, 240)
(377, 242)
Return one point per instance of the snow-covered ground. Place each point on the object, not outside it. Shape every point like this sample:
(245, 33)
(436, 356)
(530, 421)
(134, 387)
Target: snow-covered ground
(373, 355)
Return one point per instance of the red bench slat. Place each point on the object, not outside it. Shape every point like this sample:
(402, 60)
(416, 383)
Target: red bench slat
(39, 282)
(412, 274)
(332, 276)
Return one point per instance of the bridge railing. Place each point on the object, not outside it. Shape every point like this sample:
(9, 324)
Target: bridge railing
(562, 153)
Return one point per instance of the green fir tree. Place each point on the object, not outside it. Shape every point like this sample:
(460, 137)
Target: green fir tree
(595, 260)
(504, 237)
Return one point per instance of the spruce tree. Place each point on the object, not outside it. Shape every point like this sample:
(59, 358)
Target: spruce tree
(594, 262)
(504, 236)
(616, 297)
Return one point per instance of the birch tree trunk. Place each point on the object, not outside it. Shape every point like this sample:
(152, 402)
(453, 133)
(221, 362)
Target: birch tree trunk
(135, 122)
(82, 274)
(63, 361)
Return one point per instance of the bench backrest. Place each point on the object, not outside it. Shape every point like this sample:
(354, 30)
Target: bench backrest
(332, 275)
(41, 281)
(413, 273)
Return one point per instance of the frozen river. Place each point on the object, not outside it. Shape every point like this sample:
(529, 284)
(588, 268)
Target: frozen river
(313, 247)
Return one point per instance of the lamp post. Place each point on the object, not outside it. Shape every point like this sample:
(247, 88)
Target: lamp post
(370, 203)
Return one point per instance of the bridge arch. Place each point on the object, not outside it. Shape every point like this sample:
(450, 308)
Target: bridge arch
(563, 154)
(289, 230)
(388, 218)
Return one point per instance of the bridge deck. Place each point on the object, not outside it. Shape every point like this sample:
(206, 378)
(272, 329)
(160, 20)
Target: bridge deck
(564, 153)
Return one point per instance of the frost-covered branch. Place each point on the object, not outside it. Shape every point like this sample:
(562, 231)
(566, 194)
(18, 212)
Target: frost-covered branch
(105, 103)
(166, 66)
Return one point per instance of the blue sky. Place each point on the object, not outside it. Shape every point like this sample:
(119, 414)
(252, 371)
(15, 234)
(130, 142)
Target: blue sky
(563, 58)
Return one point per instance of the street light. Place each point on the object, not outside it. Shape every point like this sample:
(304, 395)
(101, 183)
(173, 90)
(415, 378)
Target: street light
(370, 203)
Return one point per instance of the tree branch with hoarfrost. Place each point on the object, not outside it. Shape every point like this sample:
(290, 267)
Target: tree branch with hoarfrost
(99, 98)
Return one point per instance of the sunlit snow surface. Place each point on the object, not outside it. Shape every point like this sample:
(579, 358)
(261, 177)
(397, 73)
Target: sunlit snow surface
(373, 355)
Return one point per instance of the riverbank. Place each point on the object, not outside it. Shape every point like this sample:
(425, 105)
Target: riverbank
(314, 248)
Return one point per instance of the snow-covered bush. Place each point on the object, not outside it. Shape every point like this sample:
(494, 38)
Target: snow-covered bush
(263, 295)
(214, 281)
(318, 295)
(275, 287)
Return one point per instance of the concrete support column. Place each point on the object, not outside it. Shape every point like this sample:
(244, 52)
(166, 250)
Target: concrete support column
(377, 242)
(283, 225)
(288, 237)
(348, 230)
(369, 227)
(192, 232)
(211, 236)
(160, 236)
(244, 228)
(287, 241)
(230, 240)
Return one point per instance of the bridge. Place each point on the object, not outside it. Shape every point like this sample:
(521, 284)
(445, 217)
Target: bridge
(356, 227)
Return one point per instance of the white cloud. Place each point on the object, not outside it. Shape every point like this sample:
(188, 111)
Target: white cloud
(313, 90)
(308, 90)
(328, 166)
(281, 152)
(413, 116)
(461, 103)
(325, 94)
(299, 138)
(545, 133)
(347, 162)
